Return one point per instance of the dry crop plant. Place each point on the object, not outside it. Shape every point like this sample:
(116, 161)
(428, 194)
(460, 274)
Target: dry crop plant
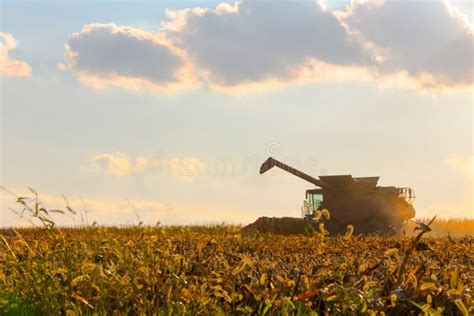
(220, 270)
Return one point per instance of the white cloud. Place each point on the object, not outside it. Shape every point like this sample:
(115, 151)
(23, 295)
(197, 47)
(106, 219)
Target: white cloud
(114, 164)
(8, 65)
(252, 41)
(185, 167)
(104, 211)
(119, 165)
(428, 40)
(423, 45)
(107, 211)
(106, 54)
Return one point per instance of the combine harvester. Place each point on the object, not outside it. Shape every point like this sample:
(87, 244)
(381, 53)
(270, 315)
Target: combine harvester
(356, 201)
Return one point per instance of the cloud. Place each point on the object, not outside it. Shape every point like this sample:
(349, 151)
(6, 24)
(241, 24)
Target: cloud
(8, 65)
(429, 41)
(114, 164)
(422, 45)
(109, 211)
(184, 167)
(254, 42)
(110, 55)
(119, 165)
(104, 211)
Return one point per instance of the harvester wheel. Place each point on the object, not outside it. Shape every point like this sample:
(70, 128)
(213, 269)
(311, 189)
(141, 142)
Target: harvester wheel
(334, 226)
(375, 226)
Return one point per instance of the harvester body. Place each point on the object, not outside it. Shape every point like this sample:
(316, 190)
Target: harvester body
(356, 201)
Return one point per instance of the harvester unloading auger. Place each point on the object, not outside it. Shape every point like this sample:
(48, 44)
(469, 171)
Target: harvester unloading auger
(357, 201)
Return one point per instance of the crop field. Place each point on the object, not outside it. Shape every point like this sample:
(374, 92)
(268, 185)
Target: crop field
(220, 270)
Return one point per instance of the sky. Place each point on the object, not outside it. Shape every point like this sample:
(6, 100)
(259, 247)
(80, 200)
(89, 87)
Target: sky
(163, 111)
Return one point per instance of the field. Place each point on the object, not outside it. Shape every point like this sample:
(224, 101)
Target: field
(454, 227)
(218, 269)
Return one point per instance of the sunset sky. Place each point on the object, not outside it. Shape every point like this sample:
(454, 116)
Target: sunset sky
(167, 109)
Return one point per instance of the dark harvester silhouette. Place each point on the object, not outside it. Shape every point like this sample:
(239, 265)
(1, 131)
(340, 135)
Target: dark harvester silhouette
(357, 201)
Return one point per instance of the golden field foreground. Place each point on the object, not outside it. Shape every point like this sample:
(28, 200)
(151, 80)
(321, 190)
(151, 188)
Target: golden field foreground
(217, 270)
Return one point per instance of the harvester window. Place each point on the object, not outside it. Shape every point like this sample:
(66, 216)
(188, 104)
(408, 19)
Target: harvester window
(315, 200)
(407, 193)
